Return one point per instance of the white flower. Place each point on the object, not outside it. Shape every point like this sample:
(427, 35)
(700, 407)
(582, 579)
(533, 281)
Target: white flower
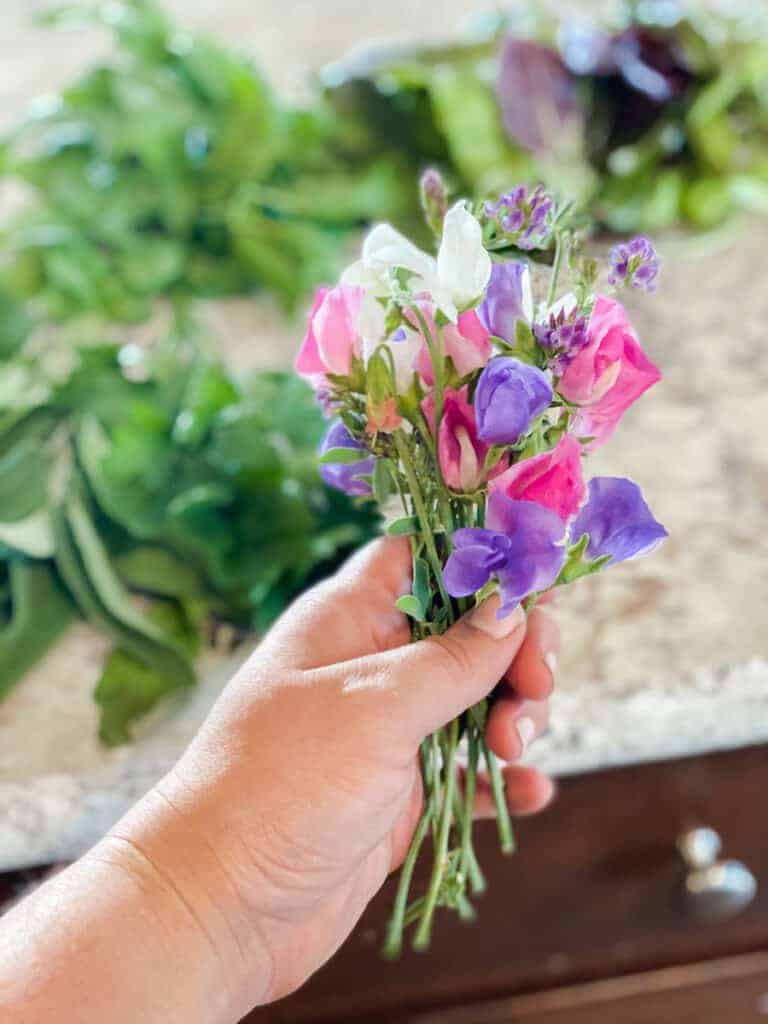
(463, 265)
(456, 279)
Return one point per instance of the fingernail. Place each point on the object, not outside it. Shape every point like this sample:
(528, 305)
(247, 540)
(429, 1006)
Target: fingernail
(484, 618)
(526, 730)
(550, 660)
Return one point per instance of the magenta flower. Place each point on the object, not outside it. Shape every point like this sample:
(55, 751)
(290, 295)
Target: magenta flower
(521, 547)
(609, 374)
(461, 453)
(509, 396)
(346, 477)
(507, 299)
(618, 521)
(466, 342)
(332, 337)
(552, 479)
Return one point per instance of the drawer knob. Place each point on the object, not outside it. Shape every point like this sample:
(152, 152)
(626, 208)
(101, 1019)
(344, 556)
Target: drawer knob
(714, 888)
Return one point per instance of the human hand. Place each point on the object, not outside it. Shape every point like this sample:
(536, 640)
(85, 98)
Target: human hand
(302, 790)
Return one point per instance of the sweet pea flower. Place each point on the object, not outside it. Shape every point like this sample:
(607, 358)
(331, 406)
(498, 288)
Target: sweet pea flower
(463, 265)
(454, 280)
(618, 521)
(552, 479)
(345, 476)
(609, 373)
(521, 547)
(509, 396)
(332, 335)
(461, 453)
(507, 299)
(466, 342)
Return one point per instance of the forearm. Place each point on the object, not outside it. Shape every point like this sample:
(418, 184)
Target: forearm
(117, 937)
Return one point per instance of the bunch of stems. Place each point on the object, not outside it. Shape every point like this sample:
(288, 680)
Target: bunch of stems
(449, 775)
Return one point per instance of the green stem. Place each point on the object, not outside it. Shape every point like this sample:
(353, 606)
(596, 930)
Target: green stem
(468, 864)
(421, 939)
(393, 944)
(426, 525)
(503, 820)
(556, 267)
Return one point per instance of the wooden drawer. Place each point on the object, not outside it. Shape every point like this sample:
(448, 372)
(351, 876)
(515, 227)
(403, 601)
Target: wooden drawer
(595, 892)
(731, 991)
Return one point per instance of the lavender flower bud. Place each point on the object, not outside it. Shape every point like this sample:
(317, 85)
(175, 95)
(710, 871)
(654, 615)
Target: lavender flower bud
(434, 199)
(634, 264)
(525, 219)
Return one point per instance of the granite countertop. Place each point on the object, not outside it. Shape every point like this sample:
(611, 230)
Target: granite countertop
(664, 657)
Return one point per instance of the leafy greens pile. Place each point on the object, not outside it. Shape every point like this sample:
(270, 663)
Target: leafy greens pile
(156, 495)
(173, 169)
(659, 119)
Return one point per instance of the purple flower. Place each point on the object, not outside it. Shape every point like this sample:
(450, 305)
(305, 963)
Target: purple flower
(522, 548)
(634, 264)
(563, 335)
(524, 218)
(508, 397)
(345, 476)
(618, 521)
(507, 299)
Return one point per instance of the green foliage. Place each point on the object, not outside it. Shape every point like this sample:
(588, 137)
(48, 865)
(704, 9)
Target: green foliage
(631, 162)
(174, 170)
(154, 503)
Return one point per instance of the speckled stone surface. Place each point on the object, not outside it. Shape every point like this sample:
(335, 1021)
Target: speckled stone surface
(663, 657)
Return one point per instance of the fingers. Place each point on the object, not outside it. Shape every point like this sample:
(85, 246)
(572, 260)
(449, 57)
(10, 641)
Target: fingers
(513, 724)
(349, 615)
(435, 680)
(532, 674)
(528, 791)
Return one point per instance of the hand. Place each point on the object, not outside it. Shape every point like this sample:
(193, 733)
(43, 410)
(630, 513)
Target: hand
(302, 791)
(249, 864)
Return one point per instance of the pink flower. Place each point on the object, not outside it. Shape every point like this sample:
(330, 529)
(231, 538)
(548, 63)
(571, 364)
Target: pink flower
(460, 451)
(552, 479)
(609, 373)
(332, 335)
(467, 342)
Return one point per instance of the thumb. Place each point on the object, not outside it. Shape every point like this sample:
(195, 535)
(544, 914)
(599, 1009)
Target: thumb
(437, 679)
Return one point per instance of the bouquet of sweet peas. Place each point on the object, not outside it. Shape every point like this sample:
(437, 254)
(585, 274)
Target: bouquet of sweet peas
(465, 391)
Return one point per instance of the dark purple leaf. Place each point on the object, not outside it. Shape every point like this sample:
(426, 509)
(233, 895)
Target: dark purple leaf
(536, 93)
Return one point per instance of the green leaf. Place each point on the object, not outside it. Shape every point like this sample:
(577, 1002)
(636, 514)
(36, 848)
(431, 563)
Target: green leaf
(382, 481)
(575, 567)
(526, 347)
(128, 689)
(157, 570)
(40, 612)
(421, 588)
(32, 536)
(411, 606)
(343, 456)
(403, 527)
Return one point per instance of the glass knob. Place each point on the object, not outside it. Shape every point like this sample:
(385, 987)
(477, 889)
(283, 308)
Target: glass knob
(714, 889)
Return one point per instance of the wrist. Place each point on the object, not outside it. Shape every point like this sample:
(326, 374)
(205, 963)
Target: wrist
(200, 915)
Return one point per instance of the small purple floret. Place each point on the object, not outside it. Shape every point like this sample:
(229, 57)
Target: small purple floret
(634, 264)
(526, 217)
(563, 335)
(522, 548)
(346, 477)
(618, 521)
